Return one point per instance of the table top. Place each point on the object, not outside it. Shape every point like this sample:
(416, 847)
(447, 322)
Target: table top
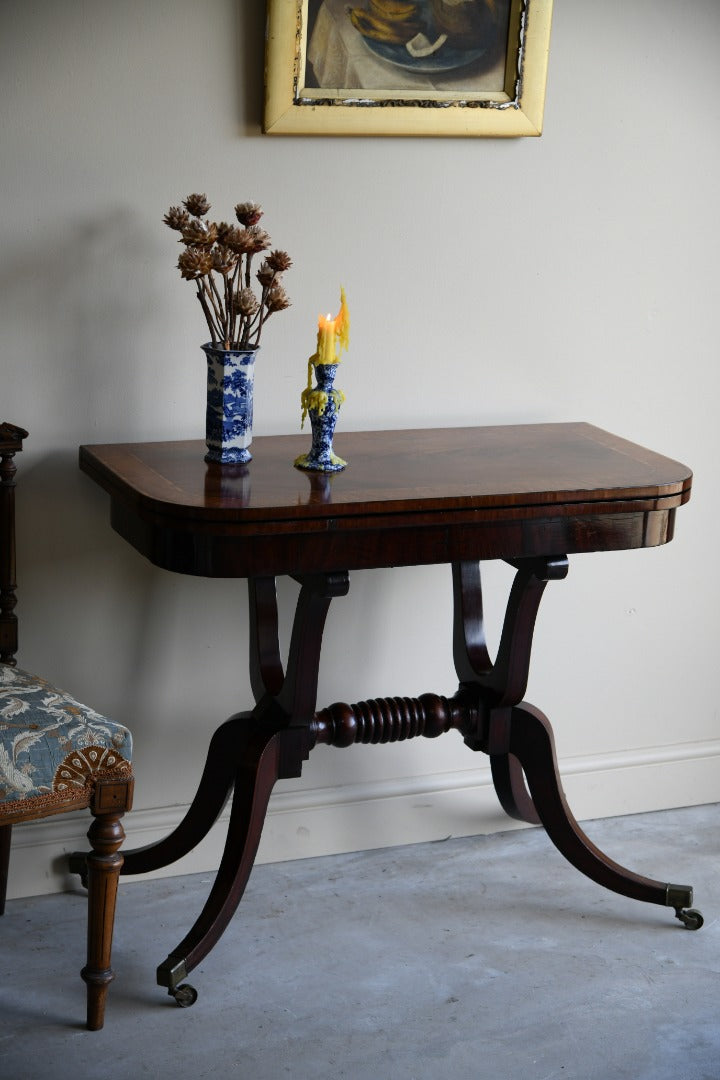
(406, 497)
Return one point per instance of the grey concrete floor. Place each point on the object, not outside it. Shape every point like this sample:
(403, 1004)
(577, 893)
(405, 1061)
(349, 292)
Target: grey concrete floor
(470, 958)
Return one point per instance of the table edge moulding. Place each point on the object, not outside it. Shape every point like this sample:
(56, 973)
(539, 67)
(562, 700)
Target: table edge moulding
(528, 494)
(452, 492)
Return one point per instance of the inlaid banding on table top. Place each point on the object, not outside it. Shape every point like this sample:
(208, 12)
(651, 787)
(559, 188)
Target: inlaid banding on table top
(444, 470)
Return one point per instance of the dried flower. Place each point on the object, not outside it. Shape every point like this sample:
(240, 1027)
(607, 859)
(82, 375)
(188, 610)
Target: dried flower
(224, 261)
(277, 299)
(223, 231)
(218, 258)
(197, 205)
(176, 218)
(195, 263)
(279, 261)
(248, 213)
(266, 274)
(199, 234)
(247, 302)
(240, 241)
(259, 239)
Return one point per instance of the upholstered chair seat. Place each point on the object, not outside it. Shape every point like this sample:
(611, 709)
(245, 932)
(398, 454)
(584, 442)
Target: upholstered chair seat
(52, 748)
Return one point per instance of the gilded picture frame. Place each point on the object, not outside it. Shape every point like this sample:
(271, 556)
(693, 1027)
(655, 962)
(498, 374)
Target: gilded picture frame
(485, 78)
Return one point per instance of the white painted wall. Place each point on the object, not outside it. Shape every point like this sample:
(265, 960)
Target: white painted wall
(563, 278)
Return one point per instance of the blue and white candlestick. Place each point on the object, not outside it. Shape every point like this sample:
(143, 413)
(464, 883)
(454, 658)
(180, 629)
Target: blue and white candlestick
(322, 403)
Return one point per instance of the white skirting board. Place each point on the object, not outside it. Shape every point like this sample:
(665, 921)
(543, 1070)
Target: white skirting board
(332, 820)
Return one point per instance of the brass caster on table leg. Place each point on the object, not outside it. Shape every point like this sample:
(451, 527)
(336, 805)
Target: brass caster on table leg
(185, 995)
(170, 973)
(691, 918)
(679, 897)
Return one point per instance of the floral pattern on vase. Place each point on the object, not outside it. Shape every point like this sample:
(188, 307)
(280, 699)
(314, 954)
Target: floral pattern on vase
(229, 416)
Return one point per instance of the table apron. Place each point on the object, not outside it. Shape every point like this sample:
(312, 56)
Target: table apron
(187, 550)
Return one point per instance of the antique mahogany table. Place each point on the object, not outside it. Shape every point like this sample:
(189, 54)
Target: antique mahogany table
(529, 495)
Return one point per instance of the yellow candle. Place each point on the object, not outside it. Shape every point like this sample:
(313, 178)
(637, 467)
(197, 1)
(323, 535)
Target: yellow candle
(326, 340)
(333, 334)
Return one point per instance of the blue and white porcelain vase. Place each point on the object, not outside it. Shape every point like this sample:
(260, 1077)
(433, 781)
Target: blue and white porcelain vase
(323, 405)
(229, 416)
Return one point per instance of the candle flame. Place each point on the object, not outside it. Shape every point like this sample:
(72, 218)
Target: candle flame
(333, 336)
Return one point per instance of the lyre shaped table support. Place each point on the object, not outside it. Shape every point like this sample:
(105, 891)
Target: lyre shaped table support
(252, 750)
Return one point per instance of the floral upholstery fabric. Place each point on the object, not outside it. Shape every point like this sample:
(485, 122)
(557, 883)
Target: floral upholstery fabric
(51, 746)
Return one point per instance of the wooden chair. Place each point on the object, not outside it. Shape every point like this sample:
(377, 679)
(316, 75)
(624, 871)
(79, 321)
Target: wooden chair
(58, 755)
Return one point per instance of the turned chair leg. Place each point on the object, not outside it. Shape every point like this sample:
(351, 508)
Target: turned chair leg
(106, 834)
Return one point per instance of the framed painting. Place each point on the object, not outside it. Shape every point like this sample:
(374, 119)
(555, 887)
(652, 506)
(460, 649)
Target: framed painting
(406, 67)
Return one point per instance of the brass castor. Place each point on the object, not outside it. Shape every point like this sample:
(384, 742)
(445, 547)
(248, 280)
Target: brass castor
(680, 897)
(185, 995)
(691, 918)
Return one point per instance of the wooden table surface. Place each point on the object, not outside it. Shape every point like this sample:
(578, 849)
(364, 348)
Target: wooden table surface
(406, 498)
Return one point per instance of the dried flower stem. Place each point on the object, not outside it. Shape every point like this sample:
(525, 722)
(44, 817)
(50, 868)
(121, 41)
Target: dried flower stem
(217, 304)
(214, 332)
(262, 314)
